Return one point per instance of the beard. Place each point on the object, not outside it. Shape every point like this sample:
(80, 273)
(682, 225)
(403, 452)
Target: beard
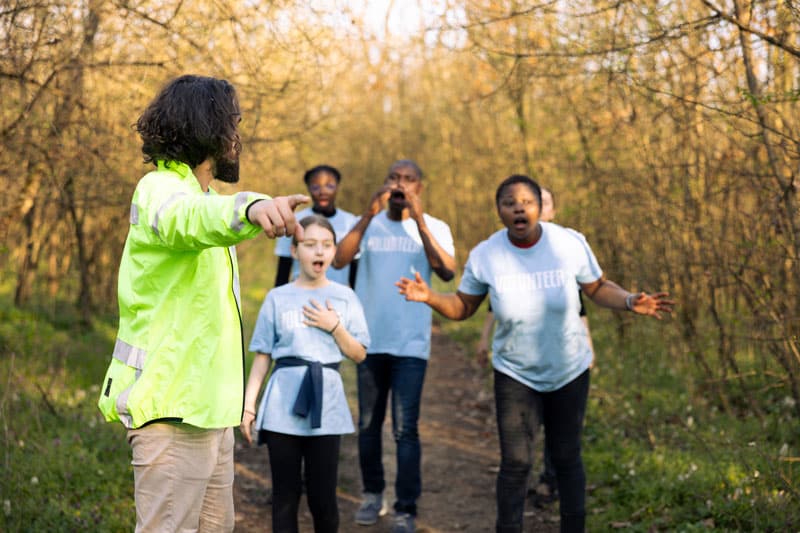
(327, 211)
(226, 170)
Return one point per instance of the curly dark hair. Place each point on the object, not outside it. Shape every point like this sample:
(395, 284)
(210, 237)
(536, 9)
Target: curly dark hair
(191, 119)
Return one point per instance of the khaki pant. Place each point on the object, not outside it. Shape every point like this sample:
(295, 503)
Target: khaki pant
(183, 478)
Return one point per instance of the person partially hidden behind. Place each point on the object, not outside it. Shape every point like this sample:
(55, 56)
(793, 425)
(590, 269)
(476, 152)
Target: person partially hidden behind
(176, 378)
(323, 183)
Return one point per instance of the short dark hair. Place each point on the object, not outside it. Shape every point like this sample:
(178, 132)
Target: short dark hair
(513, 180)
(400, 163)
(192, 118)
(316, 220)
(322, 169)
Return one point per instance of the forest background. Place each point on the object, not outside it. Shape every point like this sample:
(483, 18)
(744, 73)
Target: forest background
(669, 132)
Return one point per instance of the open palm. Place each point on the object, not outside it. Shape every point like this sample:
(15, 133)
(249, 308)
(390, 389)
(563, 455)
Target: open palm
(415, 290)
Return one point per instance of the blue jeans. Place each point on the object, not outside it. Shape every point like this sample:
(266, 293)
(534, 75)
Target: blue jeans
(520, 411)
(404, 376)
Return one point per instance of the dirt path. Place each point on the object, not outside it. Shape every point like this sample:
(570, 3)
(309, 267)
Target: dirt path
(459, 460)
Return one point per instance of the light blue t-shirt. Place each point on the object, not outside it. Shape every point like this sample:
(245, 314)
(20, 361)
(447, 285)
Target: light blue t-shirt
(540, 339)
(280, 332)
(342, 223)
(389, 250)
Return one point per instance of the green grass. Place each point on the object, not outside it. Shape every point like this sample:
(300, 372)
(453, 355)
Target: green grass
(64, 468)
(660, 454)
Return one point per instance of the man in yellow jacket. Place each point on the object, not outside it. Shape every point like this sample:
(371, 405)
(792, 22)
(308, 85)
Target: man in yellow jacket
(176, 376)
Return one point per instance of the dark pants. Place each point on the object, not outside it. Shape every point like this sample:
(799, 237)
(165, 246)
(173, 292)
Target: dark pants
(318, 456)
(404, 376)
(520, 411)
(548, 476)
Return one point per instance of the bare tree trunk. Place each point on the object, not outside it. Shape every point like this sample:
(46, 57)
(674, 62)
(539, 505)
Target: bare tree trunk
(26, 273)
(30, 258)
(91, 22)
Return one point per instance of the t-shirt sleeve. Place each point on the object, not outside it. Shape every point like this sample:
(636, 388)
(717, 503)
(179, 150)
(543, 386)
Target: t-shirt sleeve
(443, 235)
(356, 321)
(471, 280)
(263, 340)
(588, 268)
(349, 221)
(283, 246)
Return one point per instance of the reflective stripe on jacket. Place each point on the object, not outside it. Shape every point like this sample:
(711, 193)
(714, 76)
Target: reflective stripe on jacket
(179, 352)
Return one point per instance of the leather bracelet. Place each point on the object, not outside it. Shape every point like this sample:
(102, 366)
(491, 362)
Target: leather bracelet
(334, 327)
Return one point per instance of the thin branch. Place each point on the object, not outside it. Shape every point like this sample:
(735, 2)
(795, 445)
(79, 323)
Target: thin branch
(165, 25)
(668, 34)
(46, 400)
(749, 29)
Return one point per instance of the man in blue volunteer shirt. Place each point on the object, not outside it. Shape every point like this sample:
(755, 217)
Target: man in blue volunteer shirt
(400, 240)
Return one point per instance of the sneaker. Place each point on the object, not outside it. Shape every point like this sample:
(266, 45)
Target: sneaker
(403, 523)
(544, 495)
(371, 508)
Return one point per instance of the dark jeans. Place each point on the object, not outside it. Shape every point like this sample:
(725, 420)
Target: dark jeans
(318, 456)
(404, 376)
(520, 411)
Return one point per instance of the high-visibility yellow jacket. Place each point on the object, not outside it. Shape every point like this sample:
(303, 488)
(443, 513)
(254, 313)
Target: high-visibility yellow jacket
(179, 352)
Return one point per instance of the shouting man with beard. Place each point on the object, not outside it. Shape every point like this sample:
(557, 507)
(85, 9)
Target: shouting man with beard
(399, 240)
(176, 376)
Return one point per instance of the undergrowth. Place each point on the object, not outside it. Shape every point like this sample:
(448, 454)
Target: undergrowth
(661, 453)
